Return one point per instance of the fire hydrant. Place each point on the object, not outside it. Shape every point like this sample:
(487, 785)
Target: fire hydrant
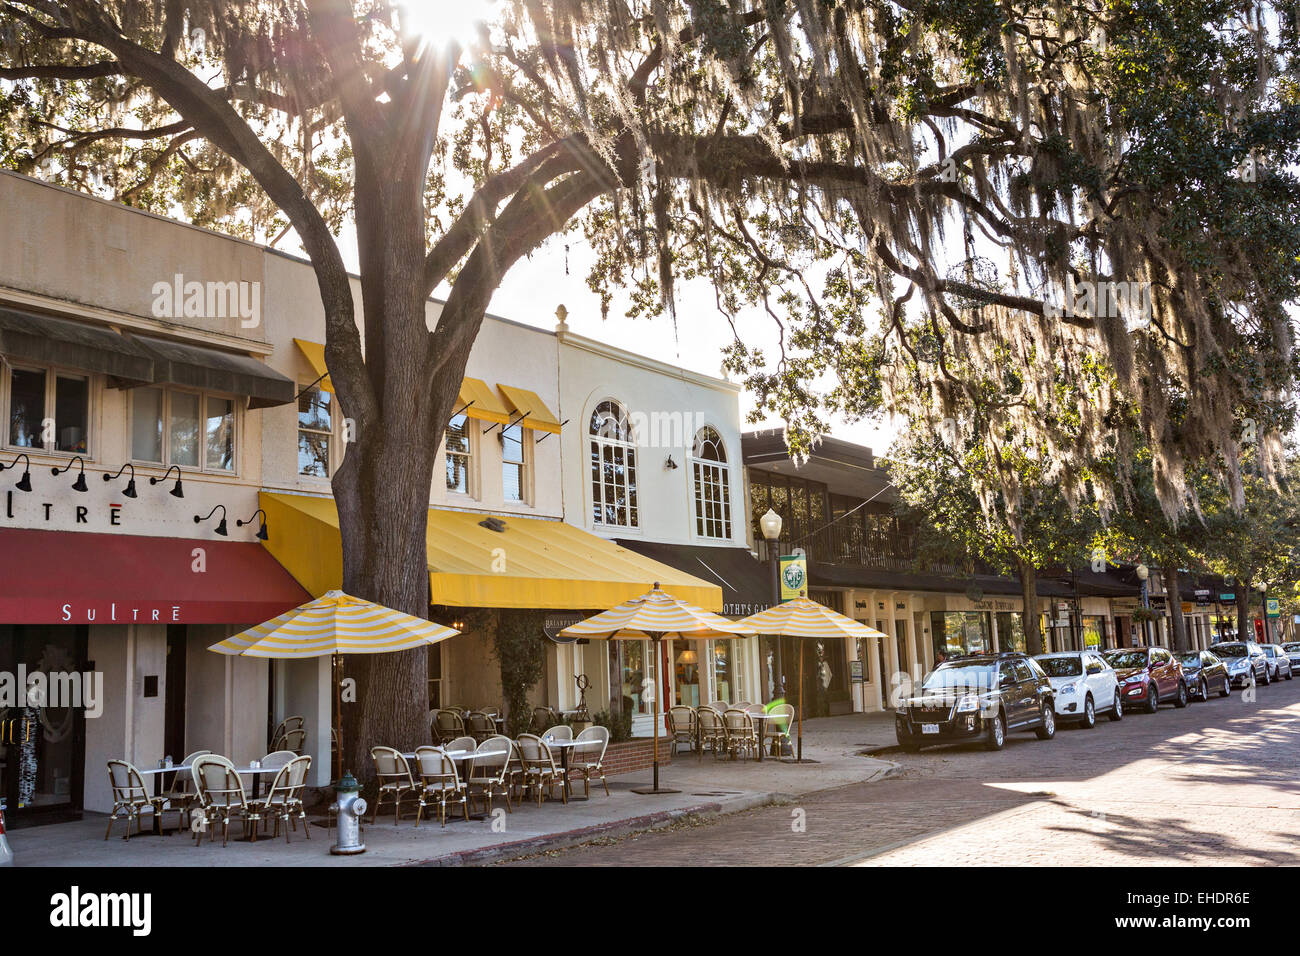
(351, 807)
(6, 854)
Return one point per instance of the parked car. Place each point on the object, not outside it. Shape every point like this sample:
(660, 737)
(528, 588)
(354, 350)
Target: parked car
(1084, 684)
(984, 695)
(1148, 676)
(1278, 662)
(1205, 673)
(1292, 652)
(1246, 662)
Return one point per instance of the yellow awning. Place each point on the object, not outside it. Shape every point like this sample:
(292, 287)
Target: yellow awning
(536, 414)
(532, 563)
(314, 353)
(482, 401)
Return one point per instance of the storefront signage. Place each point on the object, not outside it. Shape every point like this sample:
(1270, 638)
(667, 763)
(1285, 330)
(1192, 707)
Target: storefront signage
(1227, 599)
(80, 514)
(554, 623)
(955, 603)
(742, 610)
(794, 576)
(111, 612)
(1202, 595)
(855, 672)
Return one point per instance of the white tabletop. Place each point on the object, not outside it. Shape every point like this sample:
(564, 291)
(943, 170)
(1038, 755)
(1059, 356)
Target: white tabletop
(461, 754)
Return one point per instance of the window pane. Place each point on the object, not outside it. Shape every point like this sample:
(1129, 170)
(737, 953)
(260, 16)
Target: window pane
(512, 463)
(220, 433)
(313, 454)
(457, 445)
(184, 429)
(512, 478)
(71, 413)
(314, 410)
(147, 424)
(26, 408)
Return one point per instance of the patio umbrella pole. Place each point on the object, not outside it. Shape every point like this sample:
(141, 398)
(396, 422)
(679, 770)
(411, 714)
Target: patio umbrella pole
(657, 639)
(338, 715)
(799, 759)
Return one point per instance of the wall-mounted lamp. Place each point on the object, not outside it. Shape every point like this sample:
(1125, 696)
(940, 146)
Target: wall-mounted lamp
(25, 482)
(261, 532)
(221, 525)
(129, 490)
(177, 491)
(670, 465)
(1143, 572)
(80, 483)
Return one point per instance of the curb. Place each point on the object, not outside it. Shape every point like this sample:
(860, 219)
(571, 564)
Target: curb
(625, 827)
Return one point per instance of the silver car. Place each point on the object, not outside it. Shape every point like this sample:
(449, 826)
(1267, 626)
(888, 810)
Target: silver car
(1292, 651)
(1279, 664)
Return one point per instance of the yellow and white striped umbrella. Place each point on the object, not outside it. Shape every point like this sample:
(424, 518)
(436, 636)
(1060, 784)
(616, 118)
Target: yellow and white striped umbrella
(802, 617)
(335, 623)
(656, 613)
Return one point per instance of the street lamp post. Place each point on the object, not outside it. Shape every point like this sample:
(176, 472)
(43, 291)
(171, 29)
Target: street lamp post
(770, 525)
(1143, 572)
(1263, 607)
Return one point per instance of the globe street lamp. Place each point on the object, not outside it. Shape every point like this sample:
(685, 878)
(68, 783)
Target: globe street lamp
(770, 524)
(1143, 572)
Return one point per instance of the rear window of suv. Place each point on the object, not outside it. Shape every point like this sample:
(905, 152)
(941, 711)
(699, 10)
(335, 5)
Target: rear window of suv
(1061, 666)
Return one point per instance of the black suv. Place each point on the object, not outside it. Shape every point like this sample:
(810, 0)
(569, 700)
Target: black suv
(985, 695)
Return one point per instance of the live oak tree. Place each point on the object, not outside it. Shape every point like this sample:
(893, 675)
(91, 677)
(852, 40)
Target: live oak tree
(916, 190)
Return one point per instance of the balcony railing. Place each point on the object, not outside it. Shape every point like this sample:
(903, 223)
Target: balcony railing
(853, 546)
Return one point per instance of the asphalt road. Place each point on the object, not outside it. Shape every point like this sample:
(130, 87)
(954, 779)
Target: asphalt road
(1215, 783)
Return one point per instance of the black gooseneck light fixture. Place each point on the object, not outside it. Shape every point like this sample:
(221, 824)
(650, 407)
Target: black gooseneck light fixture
(25, 482)
(129, 490)
(177, 491)
(261, 531)
(221, 525)
(80, 483)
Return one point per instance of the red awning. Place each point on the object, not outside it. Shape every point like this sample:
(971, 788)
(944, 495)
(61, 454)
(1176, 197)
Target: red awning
(65, 577)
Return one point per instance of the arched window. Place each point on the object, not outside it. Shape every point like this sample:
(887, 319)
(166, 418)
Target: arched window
(613, 468)
(712, 485)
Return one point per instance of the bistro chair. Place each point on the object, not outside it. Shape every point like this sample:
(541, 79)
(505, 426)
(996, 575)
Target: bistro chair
(440, 783)
(179, 793)
(777, 731)
(682, 726)
(719, 705)
(287, 806)
(488, 773)
(467, 743)
(543, 717)
(480, 726)
(558, 732)
(447, 725)
(286, 725)
(540, 771)
(131, 797)
(741, 737)
(292, 740)
(220, 796)
(259, 807)
(277, 759)
(393, 774)
(713, 732)
(590, 759)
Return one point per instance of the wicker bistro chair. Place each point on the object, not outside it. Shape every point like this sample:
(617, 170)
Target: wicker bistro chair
(462, 743)
(683, 726)
(540, 770)
(777, 729)
(713, 732)
(447, 725)
(558, 732)
(283, 799)
(131, 797)
(277, 758)
(587, 761)
(440, 783)
(719, 705)
(220, 796)
(286, 725)
(480, 726)
(395, 780)
(180, 794)
(293, 741)
(742, 705)
(741, 736)
(488, 774)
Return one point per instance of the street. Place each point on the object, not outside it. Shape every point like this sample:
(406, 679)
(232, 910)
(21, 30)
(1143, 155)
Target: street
(1213, 784)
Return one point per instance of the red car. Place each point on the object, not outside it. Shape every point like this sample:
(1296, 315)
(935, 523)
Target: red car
(1148, 676)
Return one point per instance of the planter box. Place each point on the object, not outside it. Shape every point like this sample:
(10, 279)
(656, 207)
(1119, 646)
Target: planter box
(636, 754)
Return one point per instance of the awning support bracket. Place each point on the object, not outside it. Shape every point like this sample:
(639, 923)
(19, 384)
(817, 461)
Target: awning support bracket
(504, 425)
(549, 434)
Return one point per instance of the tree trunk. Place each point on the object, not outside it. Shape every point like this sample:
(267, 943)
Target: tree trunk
(1029, 596)
(1173, 599)
(1243, 607)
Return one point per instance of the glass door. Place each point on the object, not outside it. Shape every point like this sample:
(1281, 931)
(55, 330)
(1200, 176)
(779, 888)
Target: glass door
(42, 743)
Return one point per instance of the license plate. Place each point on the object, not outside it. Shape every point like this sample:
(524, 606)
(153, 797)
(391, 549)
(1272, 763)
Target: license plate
(929, 728)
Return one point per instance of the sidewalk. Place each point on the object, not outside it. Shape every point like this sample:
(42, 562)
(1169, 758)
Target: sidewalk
(708, 787)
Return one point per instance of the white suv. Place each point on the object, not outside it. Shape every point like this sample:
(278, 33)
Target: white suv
(1085, 684)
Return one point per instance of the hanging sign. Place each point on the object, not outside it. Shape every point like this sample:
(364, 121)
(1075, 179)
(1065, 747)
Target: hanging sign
(1274, 608)
(794, 576)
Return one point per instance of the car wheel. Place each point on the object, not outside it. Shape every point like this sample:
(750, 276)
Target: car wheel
(1153, 699)
(1117, 712)
(1268, 676)
(1288, 672)
(1089, 713)
(1181, 699)
(1203, 691)
(1227, 688)
(996, 737)
(1047, 729)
